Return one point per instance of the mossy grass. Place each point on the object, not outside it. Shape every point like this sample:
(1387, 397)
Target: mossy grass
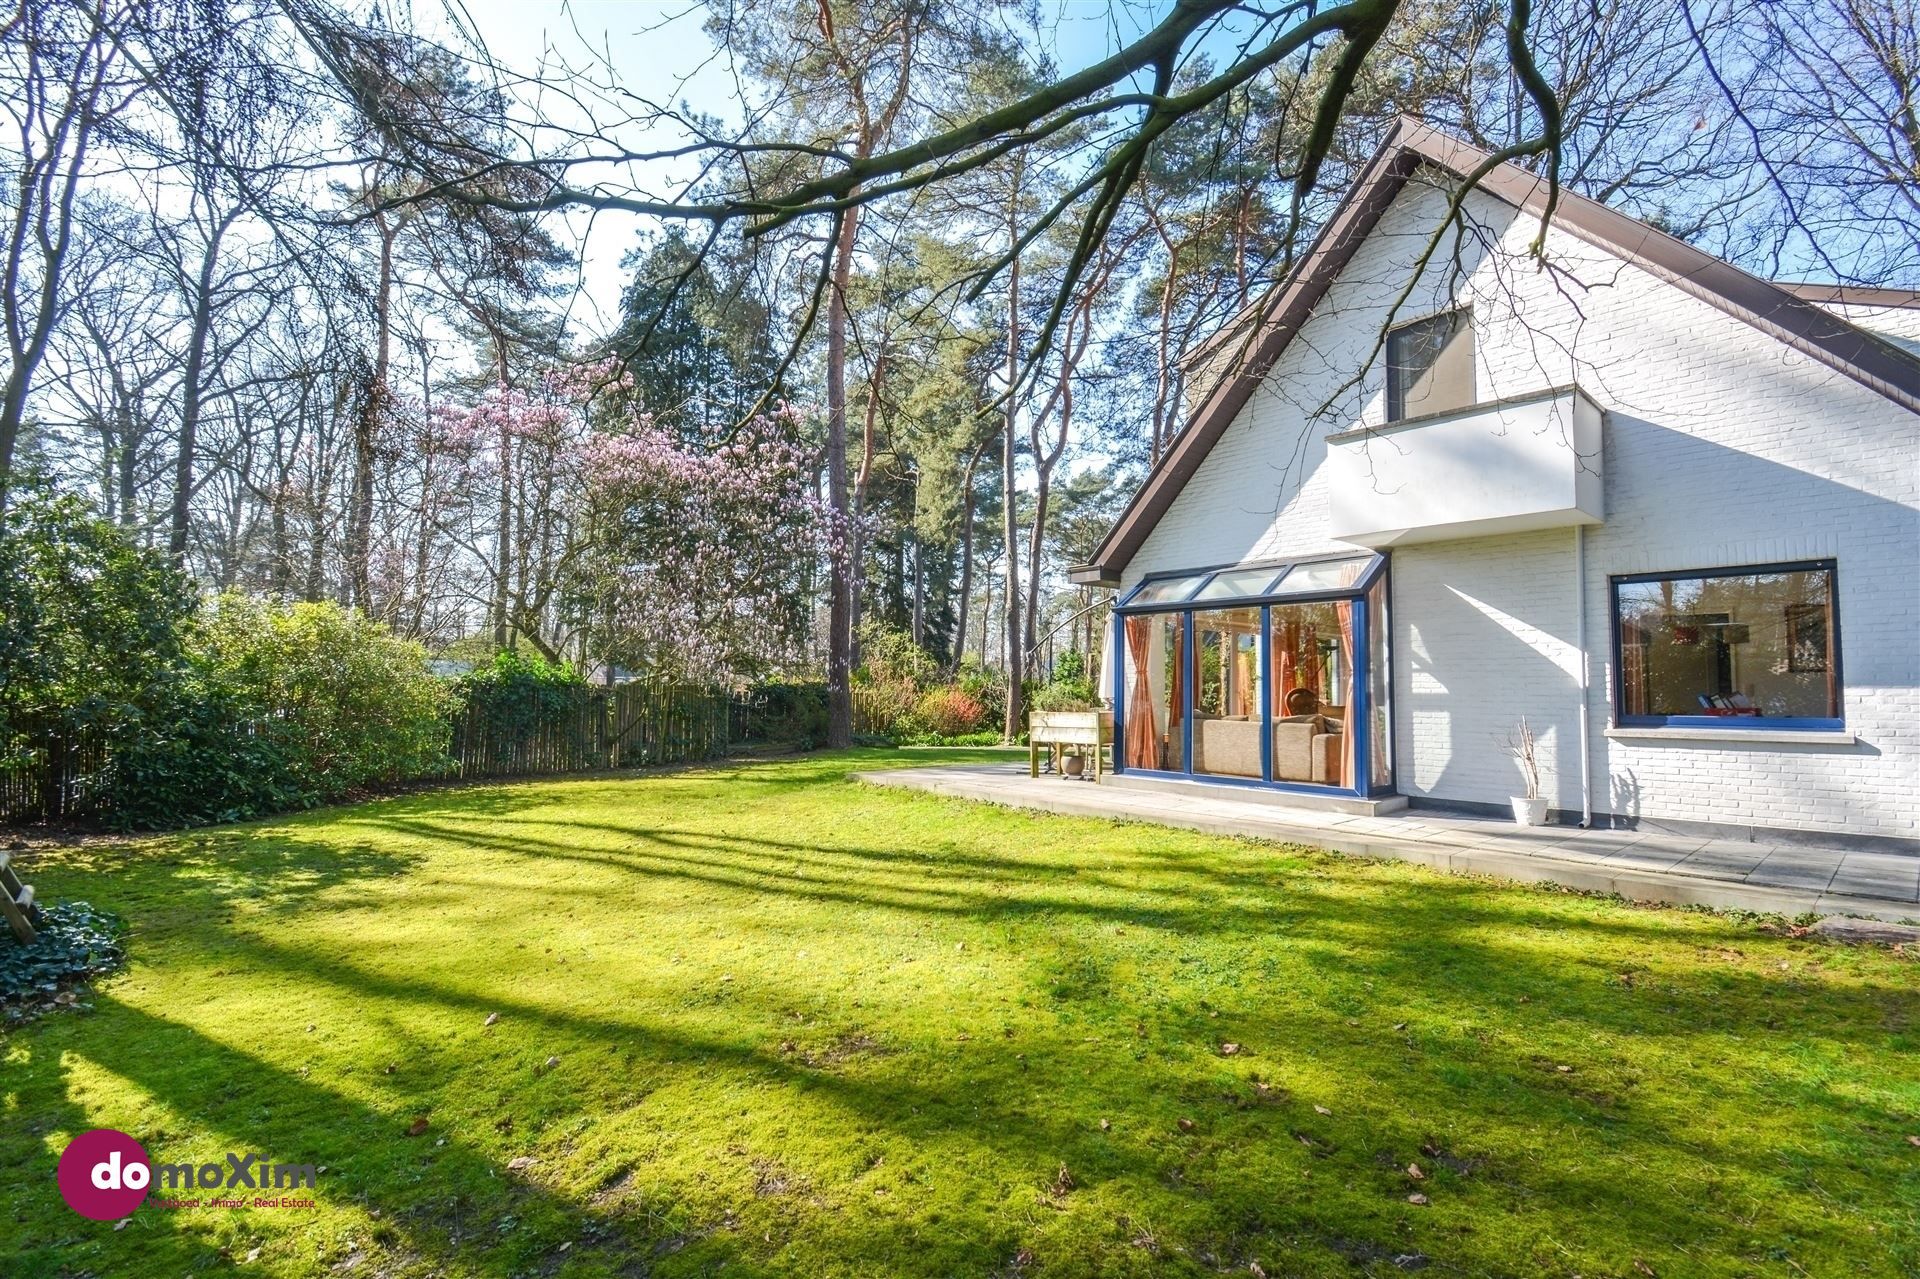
(761, 1019)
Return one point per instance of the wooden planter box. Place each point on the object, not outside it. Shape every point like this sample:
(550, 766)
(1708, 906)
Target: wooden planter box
(1089, 730)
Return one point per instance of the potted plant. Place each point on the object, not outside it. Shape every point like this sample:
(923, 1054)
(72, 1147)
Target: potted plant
(1529, 809)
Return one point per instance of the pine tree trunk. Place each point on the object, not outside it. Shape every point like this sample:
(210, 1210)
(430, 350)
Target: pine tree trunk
(840, 572)
(1016, 712)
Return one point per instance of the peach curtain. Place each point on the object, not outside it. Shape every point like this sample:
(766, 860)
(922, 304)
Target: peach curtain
(1242, 679)
(1284, 633)
(1344, 611)
(1178, 700)
(1310, 666)
(1142, 741)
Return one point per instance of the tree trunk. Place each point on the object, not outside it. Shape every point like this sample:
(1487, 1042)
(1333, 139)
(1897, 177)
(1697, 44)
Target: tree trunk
(919, 590)
(1043, 486)
(192, 393)
(366, 431)
(861, 479)
(966, 575)
(125, 459)
(840, 573)
(503, 542)
(1016, 716)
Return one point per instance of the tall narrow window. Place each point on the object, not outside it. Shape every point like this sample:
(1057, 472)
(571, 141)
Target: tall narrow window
(1430, 365)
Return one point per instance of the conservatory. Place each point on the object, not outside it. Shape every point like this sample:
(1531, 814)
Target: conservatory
(1272, 675)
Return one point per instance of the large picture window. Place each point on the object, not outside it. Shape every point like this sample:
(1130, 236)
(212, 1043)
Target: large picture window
(1729, 647)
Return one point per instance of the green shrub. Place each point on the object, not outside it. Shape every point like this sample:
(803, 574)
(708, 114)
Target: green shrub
(884, 708)
(514, 698)
(984, 685)
(73, 944)
(950, 712)
(344, 701)
(1062, 697)
(889, 656)
(979, 737)
(1071, 688)
(793, 713)
(92, 627)
(205, 757)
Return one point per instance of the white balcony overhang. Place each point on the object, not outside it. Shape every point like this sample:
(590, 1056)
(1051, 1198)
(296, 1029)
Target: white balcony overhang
(1510, 466)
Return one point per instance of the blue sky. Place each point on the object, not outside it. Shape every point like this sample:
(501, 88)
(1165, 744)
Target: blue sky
(658, 49)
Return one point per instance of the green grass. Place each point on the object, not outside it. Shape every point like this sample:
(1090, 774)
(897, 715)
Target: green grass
(808, 1027)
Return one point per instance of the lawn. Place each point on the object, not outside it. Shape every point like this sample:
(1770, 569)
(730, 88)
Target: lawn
(764, 1020)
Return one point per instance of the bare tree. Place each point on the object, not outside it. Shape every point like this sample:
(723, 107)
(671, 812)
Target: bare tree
(65, 82)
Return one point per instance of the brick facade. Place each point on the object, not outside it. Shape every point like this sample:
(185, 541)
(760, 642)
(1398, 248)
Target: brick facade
(1723, 446)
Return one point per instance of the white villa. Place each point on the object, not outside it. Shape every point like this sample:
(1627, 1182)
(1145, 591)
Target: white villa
(1664, 510)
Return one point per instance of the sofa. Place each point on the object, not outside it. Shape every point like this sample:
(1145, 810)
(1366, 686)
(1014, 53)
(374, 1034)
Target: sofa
(1306, 748)
(1226, 744)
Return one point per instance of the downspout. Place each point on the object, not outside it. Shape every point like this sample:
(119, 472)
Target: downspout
(1586, 681)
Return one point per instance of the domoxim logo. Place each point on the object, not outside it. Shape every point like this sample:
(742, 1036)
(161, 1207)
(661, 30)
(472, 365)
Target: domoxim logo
(104, 1174)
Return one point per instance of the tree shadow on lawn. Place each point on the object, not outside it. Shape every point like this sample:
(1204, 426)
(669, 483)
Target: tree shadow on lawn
(254, 1106)
(1205, 894)
(1455, 946)
(999, 1106)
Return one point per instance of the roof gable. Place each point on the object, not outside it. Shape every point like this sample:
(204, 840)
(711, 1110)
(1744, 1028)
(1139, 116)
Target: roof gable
(1789, 314)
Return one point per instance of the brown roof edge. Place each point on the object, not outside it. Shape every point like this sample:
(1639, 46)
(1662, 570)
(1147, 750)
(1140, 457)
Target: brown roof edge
(1779, 311)
(1093, 575)
(1851, 294)
(1329, 254)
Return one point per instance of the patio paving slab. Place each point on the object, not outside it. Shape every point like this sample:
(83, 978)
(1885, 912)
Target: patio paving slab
(1796, 867)
(1788, 879)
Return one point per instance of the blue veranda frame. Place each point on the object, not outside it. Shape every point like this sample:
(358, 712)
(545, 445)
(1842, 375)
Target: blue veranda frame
(1187, 605)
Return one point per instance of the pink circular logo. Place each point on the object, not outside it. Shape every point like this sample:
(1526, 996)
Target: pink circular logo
(104, 1174)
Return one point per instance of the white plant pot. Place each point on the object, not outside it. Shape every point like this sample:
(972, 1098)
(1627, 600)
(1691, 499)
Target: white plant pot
(1530, 812)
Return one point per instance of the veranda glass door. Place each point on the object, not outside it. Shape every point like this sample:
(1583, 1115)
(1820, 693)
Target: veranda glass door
(1229, 710)
(1313, 737)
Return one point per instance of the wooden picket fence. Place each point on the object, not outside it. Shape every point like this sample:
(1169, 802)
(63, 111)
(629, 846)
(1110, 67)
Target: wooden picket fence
(624, 726)
(56, 776)
(48, 781)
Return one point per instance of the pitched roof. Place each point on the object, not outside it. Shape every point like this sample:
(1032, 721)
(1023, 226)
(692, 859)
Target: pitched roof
(1789, 313)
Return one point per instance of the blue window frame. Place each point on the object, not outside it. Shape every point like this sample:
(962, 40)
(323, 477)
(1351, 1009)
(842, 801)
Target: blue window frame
(1234, 591)
(1748, 646)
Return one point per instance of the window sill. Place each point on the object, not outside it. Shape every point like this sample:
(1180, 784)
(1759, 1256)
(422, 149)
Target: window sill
(1777, 736)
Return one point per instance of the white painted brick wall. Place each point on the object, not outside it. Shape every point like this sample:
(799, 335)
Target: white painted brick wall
(1723, 447)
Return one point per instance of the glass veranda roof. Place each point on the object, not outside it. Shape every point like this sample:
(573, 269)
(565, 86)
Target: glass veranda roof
(1348, 574)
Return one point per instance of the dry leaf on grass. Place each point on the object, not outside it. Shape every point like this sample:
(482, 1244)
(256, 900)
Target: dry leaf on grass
(1186, 1125)
(491, 1018)
(418, 1126)
(1416, 1172)
(1418, 1200)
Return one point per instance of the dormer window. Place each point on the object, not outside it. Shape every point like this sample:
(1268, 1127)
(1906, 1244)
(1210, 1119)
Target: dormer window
(1430, 365)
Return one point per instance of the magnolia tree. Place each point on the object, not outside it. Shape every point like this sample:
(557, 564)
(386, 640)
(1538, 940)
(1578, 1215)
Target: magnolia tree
(700, 561)
(668, 557)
